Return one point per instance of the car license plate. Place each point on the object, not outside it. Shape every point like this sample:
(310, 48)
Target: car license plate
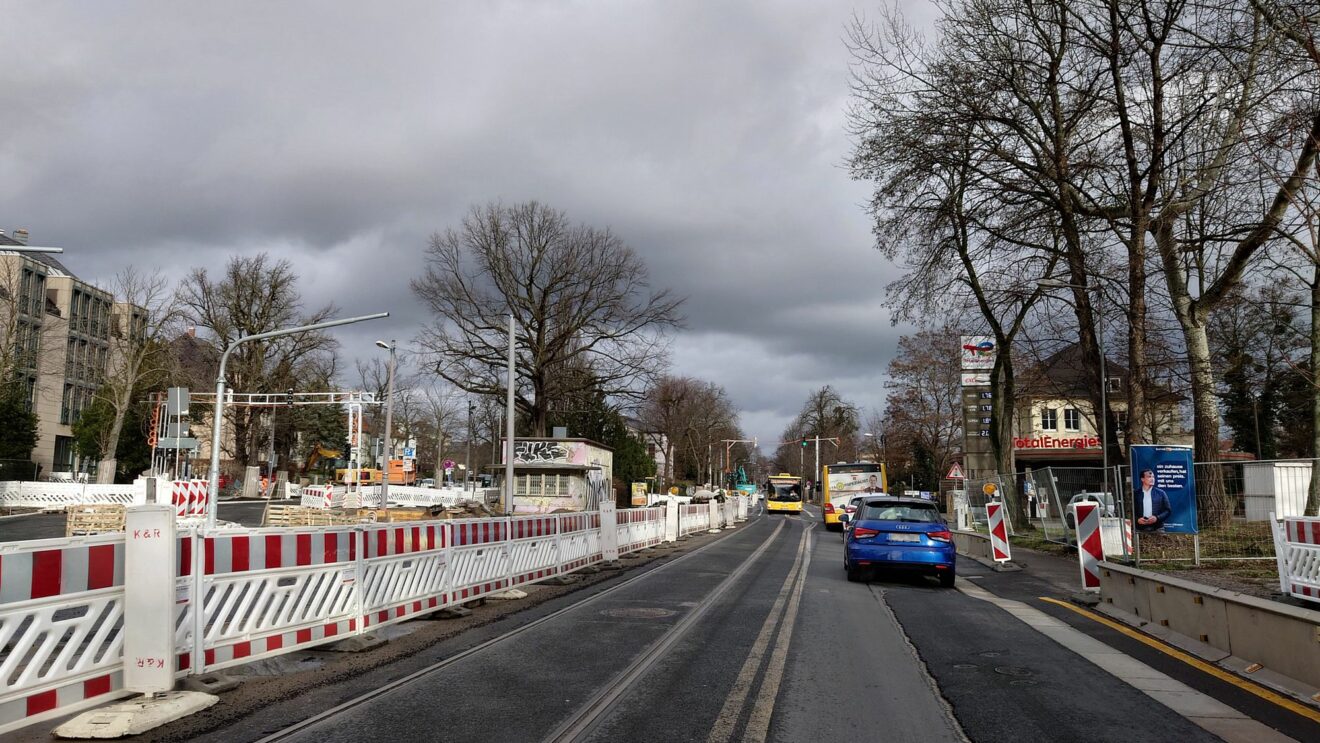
(905, 537)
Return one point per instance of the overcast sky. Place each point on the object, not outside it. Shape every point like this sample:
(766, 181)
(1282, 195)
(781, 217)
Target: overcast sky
(708, 135)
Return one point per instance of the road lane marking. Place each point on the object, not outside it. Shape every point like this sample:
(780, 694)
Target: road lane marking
(1191, 660)
(758, 725)
(1200, 709)
(727, 719)
(580, 724)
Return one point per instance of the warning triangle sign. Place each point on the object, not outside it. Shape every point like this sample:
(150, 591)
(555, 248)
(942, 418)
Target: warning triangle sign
(955, 473)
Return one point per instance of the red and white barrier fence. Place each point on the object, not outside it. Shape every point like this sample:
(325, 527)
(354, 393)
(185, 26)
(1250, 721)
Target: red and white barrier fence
(999, 550)
(189, 497)
(1090, 548)
(1297, 550)
(241, 595)
(60, 601)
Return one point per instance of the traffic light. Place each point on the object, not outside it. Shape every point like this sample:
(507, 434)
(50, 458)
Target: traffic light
(804, 440)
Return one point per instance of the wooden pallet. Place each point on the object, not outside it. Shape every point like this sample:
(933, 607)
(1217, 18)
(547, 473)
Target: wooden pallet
(93, 519)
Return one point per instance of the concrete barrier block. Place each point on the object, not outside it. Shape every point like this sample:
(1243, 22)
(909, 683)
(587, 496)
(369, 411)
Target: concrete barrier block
(1196, 614)
(1278, 641)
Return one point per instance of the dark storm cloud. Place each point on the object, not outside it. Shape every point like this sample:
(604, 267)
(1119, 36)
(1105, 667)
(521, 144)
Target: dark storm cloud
(709, 136)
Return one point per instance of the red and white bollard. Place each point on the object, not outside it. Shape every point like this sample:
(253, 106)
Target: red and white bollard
(1090, 548)
(994, 511)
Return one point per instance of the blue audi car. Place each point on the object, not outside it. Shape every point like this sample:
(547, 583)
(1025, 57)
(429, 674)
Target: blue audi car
(899, 533)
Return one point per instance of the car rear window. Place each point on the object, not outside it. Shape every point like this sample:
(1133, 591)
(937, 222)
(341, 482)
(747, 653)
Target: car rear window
(899, 512)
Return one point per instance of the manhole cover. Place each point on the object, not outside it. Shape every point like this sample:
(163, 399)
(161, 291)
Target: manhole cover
(639, 612)
(1013, 671)
(965, 666)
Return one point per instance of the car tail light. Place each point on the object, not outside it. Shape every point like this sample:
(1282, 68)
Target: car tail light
(863, 533)
(829, 508)
(940, 536)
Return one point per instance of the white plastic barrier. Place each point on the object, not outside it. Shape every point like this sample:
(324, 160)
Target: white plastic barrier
(61, 495)
(323, 496)
(640, 528)
(1297, 550)
(693, 518)
(407, 495)
(245, 594)
(60, 602)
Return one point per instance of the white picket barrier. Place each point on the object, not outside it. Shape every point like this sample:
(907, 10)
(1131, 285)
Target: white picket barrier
(61, 495)
(1297, 550)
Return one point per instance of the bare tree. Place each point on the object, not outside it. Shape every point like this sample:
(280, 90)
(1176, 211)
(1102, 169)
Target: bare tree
(924, 405)
(144, 317)
(254, 295)
(579, 295)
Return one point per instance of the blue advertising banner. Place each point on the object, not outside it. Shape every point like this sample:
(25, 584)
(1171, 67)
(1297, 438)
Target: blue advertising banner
(1164, 488)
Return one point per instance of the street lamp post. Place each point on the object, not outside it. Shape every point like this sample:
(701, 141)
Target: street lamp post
(467, 463)
(392, 347)
(1103, 414)
(213, 487)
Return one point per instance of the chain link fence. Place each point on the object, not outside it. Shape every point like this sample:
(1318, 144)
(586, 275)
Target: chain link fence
(1234, 501)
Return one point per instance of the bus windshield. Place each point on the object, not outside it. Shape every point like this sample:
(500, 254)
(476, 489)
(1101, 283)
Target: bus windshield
(790, 493)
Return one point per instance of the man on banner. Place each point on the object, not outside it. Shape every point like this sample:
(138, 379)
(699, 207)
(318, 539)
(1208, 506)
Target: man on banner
(1152, 503)
(1163, 488)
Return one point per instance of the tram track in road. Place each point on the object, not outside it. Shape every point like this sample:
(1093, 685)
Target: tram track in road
(584, 712)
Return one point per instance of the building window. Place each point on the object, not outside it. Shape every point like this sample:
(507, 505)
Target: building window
(66, 407)
(1115, 384)
(1049, 419)
(1120, 419)
(63, 453)
(1071, 419)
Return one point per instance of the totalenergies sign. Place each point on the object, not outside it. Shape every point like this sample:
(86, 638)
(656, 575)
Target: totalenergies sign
(978, 352)
(1056, 442)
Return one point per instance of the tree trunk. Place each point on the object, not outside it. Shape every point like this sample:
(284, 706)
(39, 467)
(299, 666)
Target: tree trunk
(1214, 504)
(1313, 493)
(1134, 432)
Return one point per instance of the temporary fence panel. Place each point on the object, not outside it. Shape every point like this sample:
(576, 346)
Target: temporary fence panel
(1225, 530)
(61, 625)
(404, 572)
(640, 528)
(60, 495)
(579, 540)
(479, 558)
(1297, 544)
(268, 591)
(533, 548)
(1275, 487)
(1116, 536)
(693, 518)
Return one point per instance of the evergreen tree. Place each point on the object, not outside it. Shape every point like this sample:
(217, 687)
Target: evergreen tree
(18, 424)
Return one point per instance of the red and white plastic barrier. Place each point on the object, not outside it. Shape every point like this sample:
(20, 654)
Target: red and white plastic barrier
(59, 589)
(994, 511)
(189, 497)
(1297, 550)
(241, 595)
(1090, 548)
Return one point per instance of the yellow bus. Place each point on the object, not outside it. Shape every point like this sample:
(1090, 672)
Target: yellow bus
(844, 481)
(784, 494)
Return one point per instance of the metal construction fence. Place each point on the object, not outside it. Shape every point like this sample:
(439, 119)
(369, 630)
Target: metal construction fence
(1235, 501)
(76, 630)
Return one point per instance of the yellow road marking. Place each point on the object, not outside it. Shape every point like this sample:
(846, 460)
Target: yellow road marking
(1191, 660)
